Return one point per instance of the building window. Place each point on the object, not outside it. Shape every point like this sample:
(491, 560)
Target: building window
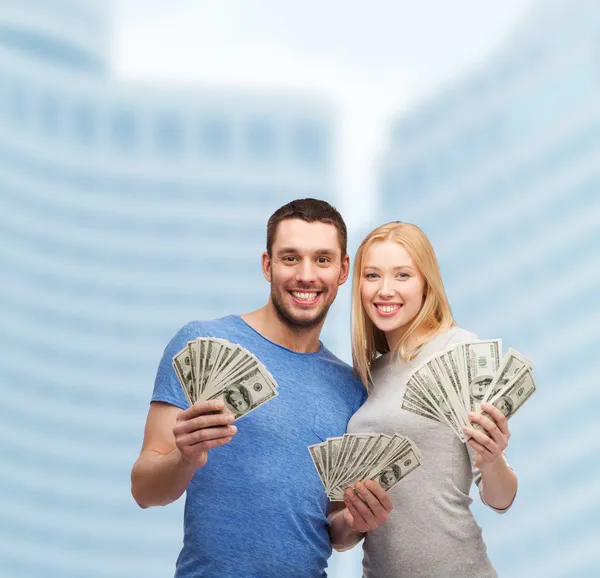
(260, 139)
(49, 114)
(309, 144)
(18, 103)
(169, 133)
(84, 123)
(124, 129)
(215, 138)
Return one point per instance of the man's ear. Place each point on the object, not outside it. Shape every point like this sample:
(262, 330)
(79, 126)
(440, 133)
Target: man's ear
(345, 269)
(266, 266)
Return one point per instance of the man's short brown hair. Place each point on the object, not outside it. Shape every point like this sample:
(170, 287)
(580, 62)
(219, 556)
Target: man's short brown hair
(311, 211)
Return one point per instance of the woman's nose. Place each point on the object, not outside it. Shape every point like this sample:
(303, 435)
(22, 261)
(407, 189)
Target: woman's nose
(386, 289)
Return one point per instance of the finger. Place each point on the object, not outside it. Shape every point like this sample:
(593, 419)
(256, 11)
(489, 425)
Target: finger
(360, 524)
(498, 417)
(348, 518)
(203, 421)
(381, 494)
(206, 434)
(478, 447)
(483, 439)
(364, 509)
(481, 450)
(488, 425)
(200, 408)
(372, 502)
(200, 448)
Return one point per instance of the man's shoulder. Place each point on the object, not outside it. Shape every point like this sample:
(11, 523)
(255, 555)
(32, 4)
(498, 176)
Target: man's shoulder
(207, 327)
(330, 357)
(343, 371)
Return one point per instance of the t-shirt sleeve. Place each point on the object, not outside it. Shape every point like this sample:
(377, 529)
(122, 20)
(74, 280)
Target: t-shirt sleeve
(166, 385)
(479, 482)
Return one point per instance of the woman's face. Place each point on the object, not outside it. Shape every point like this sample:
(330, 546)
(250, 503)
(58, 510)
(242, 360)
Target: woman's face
(391, 288)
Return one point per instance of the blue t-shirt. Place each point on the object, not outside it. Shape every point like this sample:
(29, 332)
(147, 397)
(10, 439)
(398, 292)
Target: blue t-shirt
(258, 508)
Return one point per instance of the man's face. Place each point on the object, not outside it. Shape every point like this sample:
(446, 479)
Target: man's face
(387, 478)
(478, 388)
(237, 401)
(504, 407)
(305, 270)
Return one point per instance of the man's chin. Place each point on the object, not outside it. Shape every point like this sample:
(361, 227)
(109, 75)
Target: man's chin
(306, 321)
(301, 320)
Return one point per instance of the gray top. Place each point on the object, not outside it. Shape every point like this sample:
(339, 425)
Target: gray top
(431, 533)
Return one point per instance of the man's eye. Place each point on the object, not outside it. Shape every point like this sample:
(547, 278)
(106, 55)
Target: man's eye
(322, 260)
(289, 259)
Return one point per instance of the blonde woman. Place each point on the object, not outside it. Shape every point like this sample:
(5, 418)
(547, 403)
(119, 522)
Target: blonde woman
(400, 316)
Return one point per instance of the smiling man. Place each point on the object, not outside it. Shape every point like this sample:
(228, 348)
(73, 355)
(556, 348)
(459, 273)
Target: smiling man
(259, 493)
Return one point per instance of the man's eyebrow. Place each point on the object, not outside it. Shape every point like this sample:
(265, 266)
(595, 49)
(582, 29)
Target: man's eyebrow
(317, 251)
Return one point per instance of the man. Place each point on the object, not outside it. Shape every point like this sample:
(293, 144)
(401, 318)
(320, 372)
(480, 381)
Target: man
(505, 405)
(479, 387)
(237, 399)
(389, 476)
(259, 492)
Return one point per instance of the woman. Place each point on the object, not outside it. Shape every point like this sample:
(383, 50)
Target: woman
(400, 317)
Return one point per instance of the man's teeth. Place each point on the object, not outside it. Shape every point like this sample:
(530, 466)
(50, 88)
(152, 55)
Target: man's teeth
(387, 308)
(304, 296)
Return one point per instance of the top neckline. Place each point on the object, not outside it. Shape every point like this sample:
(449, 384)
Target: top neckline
(318, 352)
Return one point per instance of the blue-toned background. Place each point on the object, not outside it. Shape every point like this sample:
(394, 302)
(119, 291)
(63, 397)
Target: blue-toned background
(130, 205)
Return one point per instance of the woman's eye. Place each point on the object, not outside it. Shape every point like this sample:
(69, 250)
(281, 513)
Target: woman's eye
(403, 275)
(371, 275)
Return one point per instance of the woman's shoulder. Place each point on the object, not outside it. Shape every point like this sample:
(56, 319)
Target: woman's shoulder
(456, 335)
(449, 338)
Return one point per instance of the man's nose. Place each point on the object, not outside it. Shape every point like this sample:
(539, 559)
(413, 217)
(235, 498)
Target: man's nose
(306, 272)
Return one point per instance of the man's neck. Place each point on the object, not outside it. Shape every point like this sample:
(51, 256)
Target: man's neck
(266, 321)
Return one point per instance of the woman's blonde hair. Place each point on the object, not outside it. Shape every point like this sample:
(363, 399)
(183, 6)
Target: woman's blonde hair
(434, 317)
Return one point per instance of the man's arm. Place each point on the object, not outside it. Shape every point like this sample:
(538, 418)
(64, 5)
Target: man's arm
(362, 511)
(175, 446)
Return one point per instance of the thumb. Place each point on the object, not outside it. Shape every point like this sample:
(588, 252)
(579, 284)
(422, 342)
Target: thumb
(348, 518)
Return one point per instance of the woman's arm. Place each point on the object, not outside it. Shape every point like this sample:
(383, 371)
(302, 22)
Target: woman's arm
(499, 484)
(342, 536)
(498, 479)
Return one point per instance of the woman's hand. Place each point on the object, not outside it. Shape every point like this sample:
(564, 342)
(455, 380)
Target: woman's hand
(368, 507)
(490, 443)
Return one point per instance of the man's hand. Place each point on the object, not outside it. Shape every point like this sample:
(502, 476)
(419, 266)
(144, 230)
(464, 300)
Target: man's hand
(368, 507)
(202, 427)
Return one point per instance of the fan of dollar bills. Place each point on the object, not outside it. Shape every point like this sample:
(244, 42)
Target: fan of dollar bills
(458, 380)
(212, 368)
(341, 461)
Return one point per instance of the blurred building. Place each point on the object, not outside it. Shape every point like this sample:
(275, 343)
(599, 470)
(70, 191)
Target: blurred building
(502, 171)
(126, 210)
